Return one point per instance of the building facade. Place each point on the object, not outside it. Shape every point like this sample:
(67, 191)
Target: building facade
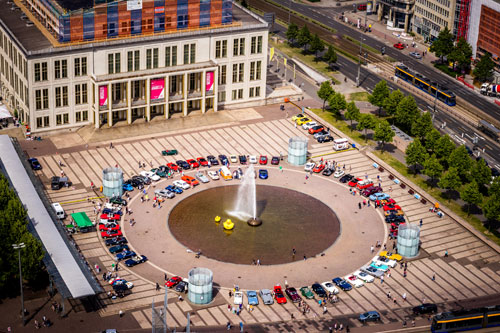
(130, 79)
(397, 13)
(431, 16)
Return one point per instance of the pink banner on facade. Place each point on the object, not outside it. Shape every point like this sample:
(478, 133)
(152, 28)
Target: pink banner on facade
(157, 89)
(103, 95)
(159, 10)
(210, 81)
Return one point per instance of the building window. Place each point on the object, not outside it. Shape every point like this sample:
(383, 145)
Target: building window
(238, 47)
(254, 92)
(81, 66)
(61, 69)
(189, 53)
(192, 81)
(81, 116)
(151, 58)
(81, 93)
(221, 96)
(62, 119)
(42, 122)
(42, 99)
(222, 74)
(133, 61)
(113, 63)
(221, 49)
(41, 73)
(38, 76)
(238, 71)
(237, 94)
(170, 56)
(256, 45)
(61, 96)
(255, 70)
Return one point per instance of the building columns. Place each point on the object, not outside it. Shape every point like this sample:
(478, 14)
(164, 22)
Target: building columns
(167, 94)
(203, 91)
(129, 102)
(148, 99)
(184, 94)
(110, 105)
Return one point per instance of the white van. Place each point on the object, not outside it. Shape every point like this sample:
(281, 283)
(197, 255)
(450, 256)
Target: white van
(340, 144)
(225, 173)
(58, 210)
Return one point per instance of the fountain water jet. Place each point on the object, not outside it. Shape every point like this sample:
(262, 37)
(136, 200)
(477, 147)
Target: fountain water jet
(246, 200)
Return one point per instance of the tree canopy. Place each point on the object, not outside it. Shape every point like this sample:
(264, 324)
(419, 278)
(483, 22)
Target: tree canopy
(292, 33)
(422, 126)
(484, 68)
(461, 54)
(471, 195)
(431, 139)
(324, 92)
(383, 133)
(330, 56)
(352, 112)
(450, 180)
(304, 37)
(444, 147)
(480, 173)
(366, 121)
(407, 113)
(432, 168)
(317, 45)
(392, 101)
(460, 159)
(379, 94)
(415, 154)
(442, 46)
(337, 103)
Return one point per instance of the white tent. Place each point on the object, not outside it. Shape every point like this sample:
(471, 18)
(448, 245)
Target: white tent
(4, 113)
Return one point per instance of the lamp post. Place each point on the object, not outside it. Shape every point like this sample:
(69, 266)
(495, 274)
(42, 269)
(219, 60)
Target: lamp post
(18, 247)
(361, 49)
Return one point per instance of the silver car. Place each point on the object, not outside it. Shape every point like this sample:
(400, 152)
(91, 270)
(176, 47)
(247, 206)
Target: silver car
(267, 297)
(201, 177)
(165, 193)
(372, 271)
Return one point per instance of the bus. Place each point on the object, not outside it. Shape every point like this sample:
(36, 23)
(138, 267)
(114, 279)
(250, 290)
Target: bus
(465, 320)
(424, 84)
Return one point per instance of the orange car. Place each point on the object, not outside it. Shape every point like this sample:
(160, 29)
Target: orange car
(190, 180)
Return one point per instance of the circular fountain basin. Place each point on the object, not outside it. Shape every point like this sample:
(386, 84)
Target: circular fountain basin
(292, 220)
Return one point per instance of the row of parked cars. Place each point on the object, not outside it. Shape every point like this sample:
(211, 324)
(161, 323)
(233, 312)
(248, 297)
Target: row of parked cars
(317, 130)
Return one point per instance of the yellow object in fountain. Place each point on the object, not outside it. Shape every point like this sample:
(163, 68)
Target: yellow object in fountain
(228, 224)
(217, 219)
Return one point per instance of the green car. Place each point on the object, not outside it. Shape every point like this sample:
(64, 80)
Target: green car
(159, 172)
(306, 292)
(118, 201)
(169, 152)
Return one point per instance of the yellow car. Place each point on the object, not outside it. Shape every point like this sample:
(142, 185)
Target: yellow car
(302, 121)
(390, 255)
(298, 116)
(393, 212)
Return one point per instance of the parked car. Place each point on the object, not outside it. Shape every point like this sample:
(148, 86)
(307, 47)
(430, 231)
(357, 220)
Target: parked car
(391, 255)
(263, 174)
(173, 166)
(306, 292)
(346, 178)
(372, 271)
(55, 183)
(320, 134)
(318, 168)
(399, 46)
(118, 201)
(115, 241)
(263, 160)
(364, 276)
(135, 260)
(193, 164)
(371, 190)
(202, 161)
(111, 234)
(181, 184)
(363, 184)
(252, 159)
(175, 189)
(330, 287)
(233, 159)
(160, 172)
(309, 125)
(124, 255)
(183, 164)
(379, 196)
(385, 261)
(369, 316)
(266, 296)
(327, 172)
(304, 121)
(118, 248)
(342, 284)
(212, 160)
(181, 286)
(309, 166)
(252, 298)
(293, 295)
(416, 55)
(354, 181)
(325, 138)
(201, 177)
(425, 308)
(174, 280)
(319, 290)
(214, 175)
(275, 160)
(238, 298)
(165, 193)
(315, 129)
(380, 266)
(35, 165)
(338, 173)
(190, 180)
(354, 281)
(298, 116)
(128, 187)
(109, 227)
(278, 295)
(243, 159)
(151, 175)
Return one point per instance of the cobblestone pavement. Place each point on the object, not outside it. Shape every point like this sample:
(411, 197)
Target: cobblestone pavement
(470, 271)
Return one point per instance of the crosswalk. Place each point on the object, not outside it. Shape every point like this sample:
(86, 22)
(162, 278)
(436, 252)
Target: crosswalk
(470, 270)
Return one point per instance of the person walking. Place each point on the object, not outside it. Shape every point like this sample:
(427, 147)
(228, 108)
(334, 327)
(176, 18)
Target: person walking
(404, 296)
(157, 286)
(421, 222)
(372, 249)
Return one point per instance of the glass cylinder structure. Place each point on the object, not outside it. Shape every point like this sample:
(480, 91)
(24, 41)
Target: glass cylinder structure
(112, 182)
(297, 150)
(200, 285)
(408, 240)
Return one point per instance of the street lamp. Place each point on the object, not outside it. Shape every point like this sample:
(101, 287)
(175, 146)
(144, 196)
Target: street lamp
(361, 48)
(18, 247)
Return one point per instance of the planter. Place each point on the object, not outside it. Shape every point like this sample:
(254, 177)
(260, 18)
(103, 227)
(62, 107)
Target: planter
(423, 201)
(411, 192)
(403, 186)
(391, 177)
(381, 169)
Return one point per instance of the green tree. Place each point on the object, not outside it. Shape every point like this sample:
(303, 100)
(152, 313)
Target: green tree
(484, 68)
(406, 112)
(444, 148)
(383, 133)
(244, 3)
(450, 180)
(415, 155)
(379, 94)
(422, 126)
(317, 45)
(432, 168)
(337, 103)
(324, 92)
(366, 121)
(443, 44)
(431, 140)
(392, 101)
(471, 195)
(330, 56)
(491, 208)
(304, 37)
(461, 54)
(352, 112)
(480, 173)
(460, 159)
(494, 189)
(292, 33)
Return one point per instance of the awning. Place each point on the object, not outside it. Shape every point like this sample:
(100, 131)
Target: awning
(82, 220)
(4, 112)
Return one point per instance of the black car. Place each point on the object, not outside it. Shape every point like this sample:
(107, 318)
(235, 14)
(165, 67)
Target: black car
(181, 286)
(136, 260)
(394, 218)
(243, 159)
(346, 178)
(135, 183)
(326, 138)
(328, 172)
(212, 160)
(164, 168)
(223, 159)
(183, 164)
(55, 183)
(143, 180)
(118, 248)
(319, 290)
(425, 308)
(116, 241)
(35, 165)
(118, 201)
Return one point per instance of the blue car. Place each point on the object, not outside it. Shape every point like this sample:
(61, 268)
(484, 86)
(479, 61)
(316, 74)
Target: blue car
(252, 297)
(379, 196)
(381, 267)
(369, 316)
(342, 284)
(118, 248)
(174, 189)
(124, 255)
(263, 174)
(35, 165)
(128, 187)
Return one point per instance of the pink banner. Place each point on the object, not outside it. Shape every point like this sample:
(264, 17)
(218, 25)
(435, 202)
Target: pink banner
(210, 81)
(103, 95)
(157, 89)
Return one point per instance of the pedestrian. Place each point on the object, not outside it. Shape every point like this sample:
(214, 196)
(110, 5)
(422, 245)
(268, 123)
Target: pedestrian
(372, 249)
(433, 277)
(413, 323)
(347, 329)
(382, 279)
(157, 286)
(404, 323)
(395, 302)
(446, 253)
(228, 325)
(292, 317)
(120, 313)
(421, 222)
(325, 310)
(111, 145)
(388, 295)
(166, 277)
(241, 326)
(305, 257)
(406, 265)
(359, 205)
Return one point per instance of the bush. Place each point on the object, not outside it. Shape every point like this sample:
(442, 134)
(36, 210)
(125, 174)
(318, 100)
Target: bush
(444, 68)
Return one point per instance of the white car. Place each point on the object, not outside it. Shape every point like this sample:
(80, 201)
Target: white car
(252, 159)
(165, 193)
(386, 261)
(213, 175)
(233, 158)
(151, 175)
(309, 166)
(182, 184)
(354, 281)
(330, 287)
(201, 177)
(338, 173)
(308, 125)
(364, 276)
(238, 298)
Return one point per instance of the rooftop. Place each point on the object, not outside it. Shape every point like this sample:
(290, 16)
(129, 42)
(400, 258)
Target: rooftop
(74, 4)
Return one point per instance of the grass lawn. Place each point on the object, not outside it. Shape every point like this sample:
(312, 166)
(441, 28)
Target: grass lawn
(361, 96)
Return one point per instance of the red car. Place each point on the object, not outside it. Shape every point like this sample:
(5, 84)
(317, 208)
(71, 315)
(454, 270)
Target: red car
(389, 201)
(364, 184)
(275, 160)
(316, 129)
(391, 207)
(109, 227)
(263, 160)
(202, 161)
(318, 168)
(278, 295)
(190, 180)
(193, 163)
(110, 217)
(174, 280)
(399, 46)
(111, 234)
(354, 181)
(173, 166)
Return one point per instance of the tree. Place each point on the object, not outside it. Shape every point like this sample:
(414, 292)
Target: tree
(366, 121)
(392, 101)
(415, 154)
(383, 133)
(244, 3)
(461, 54)
(480, 173)
(422, 126)
(431, 139)
(292, 33)
(330, 56)
(337, 103)
(352, 112)
(460, 159)
(450, 180)
(470, 194)
(324, 92)
(444, 147)
(407, 112)
(317, 45)
(492, 208)
(432, 168)
(304, 37)
(494, 189)
(484, 68)
(443, 45)
(379, 94)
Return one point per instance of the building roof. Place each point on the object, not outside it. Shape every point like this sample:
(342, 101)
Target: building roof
(74, 4)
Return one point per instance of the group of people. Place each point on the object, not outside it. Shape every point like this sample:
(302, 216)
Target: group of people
(45, 323)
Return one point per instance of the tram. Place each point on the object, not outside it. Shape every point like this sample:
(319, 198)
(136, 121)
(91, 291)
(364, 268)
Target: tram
(466, 320)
